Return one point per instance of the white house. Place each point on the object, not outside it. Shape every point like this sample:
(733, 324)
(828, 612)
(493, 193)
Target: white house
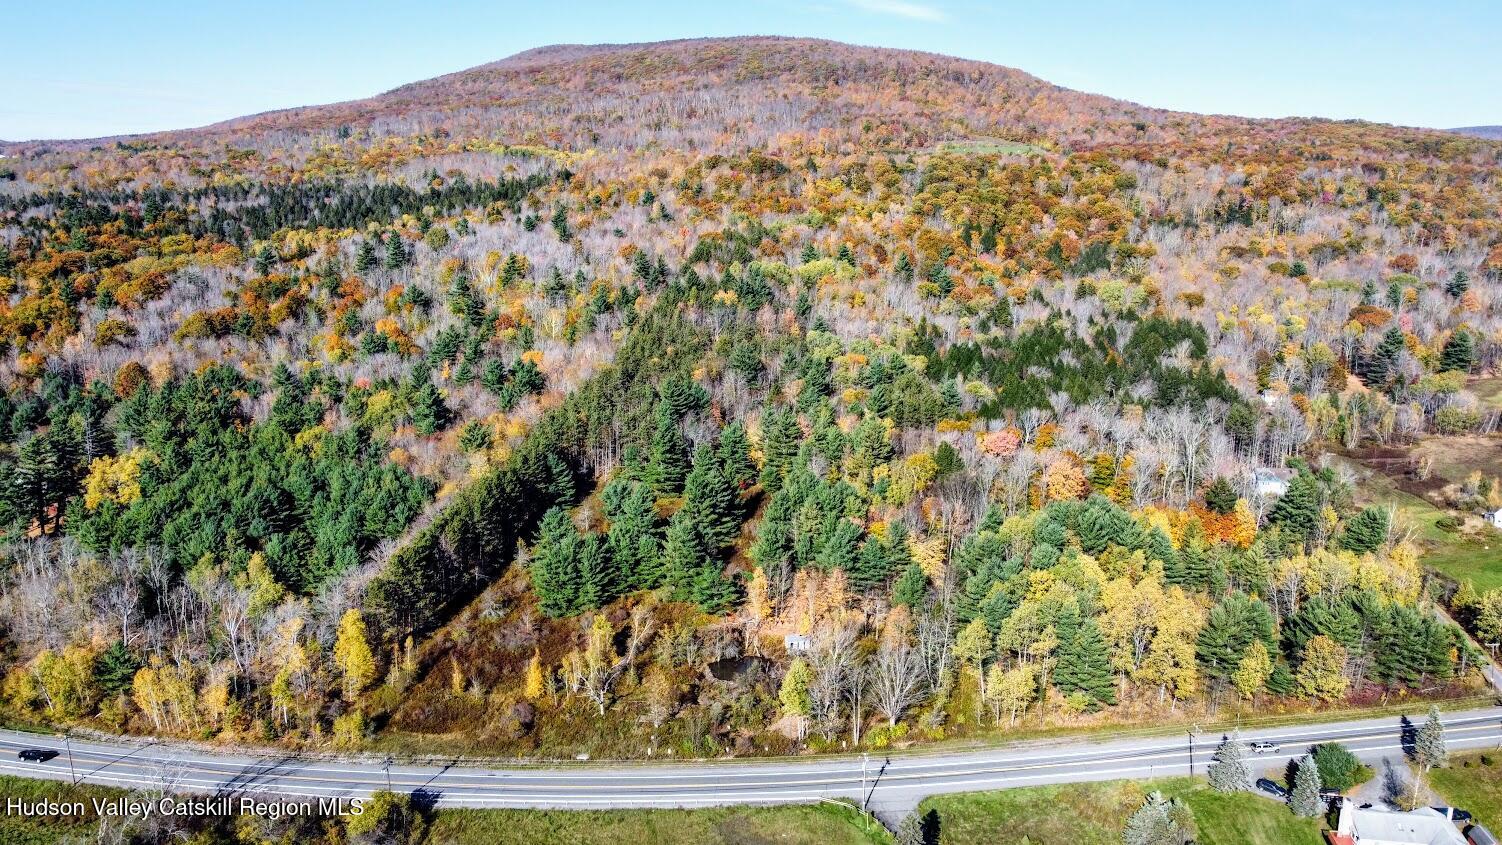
(797, 644)
(1495, 518)
(1267, 481)
(1377, 826)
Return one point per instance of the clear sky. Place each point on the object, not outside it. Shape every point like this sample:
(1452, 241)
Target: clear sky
(86, 68)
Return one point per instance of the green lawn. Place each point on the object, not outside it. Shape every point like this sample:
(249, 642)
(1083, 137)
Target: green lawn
(1093, 814)
(1470, 784)
(1452, 554)
(25, 830)
(798, 825)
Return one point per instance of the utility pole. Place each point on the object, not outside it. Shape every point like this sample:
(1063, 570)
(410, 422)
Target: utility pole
(386, 767)
(1191, 751)
(68, 744)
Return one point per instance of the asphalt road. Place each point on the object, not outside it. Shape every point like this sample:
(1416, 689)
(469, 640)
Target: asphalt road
(893, 785)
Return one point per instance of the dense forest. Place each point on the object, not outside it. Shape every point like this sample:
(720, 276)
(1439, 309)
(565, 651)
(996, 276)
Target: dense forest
(921, 400)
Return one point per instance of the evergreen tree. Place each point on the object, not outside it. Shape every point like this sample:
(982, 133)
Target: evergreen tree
(632, 540)
(430, 414)
(734, 452)
(911, 587)
(1159, 821)
(1084, 664)
(710, 501)
(115, 669)
(1304, 799)
(873, 566)
(365, 257)
(1458, 284)
(1228, 770)
(265, 260)
(555, 565)
(1337, 766)
(560, 224)
(1366, 531)
(1459, 354)
(1375, 369)
(396, 252)
(1429, 742)
(780, 438)
(668, 459)
(1219, 496)
(1297, 511)
(1159, 547)
(1229, 630)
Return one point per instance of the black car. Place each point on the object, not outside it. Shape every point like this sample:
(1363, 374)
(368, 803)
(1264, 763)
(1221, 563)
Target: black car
(1272, 788)
(1453, 814)
(37, 755)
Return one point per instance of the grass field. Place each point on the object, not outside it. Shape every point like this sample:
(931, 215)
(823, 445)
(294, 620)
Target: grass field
(1093, 814)
(1453, 554)
(1469, 784)
(799, 825)
(17, 829)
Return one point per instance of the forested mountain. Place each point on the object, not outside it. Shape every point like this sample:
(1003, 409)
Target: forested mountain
(754, 394)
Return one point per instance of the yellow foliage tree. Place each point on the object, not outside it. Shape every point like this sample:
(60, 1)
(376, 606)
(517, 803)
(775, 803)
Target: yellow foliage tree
(352, 654)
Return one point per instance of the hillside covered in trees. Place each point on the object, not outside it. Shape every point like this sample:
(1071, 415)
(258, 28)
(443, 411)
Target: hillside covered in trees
(745, 395)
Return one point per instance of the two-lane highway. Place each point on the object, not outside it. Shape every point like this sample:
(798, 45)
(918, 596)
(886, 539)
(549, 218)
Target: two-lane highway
(892, 784)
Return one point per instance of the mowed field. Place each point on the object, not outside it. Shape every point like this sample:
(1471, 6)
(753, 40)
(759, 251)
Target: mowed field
(1474, 553)
(1094, 814)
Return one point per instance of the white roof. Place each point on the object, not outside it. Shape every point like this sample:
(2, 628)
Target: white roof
(1423, 826)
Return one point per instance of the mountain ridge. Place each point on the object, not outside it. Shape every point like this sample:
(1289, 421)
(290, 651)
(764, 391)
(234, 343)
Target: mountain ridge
(873, 83)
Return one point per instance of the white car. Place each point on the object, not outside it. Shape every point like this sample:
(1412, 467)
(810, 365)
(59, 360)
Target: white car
(1263, 747)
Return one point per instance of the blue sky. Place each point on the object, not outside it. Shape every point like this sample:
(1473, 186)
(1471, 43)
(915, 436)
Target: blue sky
(103, 67)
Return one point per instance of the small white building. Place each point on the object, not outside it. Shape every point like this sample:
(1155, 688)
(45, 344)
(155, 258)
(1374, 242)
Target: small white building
(1267, 481)
(1495, 518)
(1377, 826)
(796, 644)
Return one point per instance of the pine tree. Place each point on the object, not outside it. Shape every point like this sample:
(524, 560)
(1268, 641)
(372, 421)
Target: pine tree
(910, 829)
(873, 566)
(1366, 531)
(683, 555)
(734, 452)
(668, 461)
(597, 581)
(1458, 284)
(1376, 368)
(1429, 743)
(1158, 547)
(430, 414)
(265, 260)
(1297, 511)
(1219, 496)
(633, 545)
(710, 501)
(365, 257)
(1084, 663)
(1159, 821)
(555, 566)
(1230, 627)
(911, 588)
(1459, 354)
(560, 224)
(396, 251)
(1228, 770)
(780, 438)
(1304, 800)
